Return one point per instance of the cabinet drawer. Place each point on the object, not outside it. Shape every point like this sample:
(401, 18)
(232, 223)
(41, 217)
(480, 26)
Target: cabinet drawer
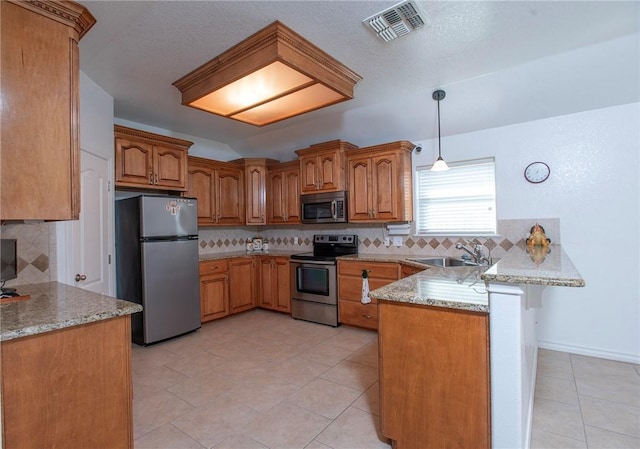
(358, 314)
(213, 266)
(408, 270)
(376, 269)
(350, 288)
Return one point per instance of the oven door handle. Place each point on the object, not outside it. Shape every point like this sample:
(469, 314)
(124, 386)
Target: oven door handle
(333, 209)
(311, 263)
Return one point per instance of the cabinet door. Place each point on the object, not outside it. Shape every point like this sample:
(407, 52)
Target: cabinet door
(134, 163)
(201, 186)
(292, 196)
(360, 190)
(169, 167)
(255, 194)
(64, 389)
(309, 171)
(214, 296)
(241, 283)
(276, 197)
(229, 196)
(39, 134)
(282, 287)
(446, 379)
(385, 191)
(265, 266)
(330, 171)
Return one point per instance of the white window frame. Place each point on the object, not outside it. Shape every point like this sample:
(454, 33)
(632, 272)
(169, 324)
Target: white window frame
(470, 193)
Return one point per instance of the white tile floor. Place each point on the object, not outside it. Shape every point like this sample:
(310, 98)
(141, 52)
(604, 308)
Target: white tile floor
(263, 380)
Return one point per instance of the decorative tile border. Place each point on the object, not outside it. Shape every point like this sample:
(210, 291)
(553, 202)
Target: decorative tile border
(511, 233)
(37, 245)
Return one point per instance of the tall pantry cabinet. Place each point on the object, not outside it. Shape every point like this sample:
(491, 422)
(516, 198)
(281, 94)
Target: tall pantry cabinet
(40, 159)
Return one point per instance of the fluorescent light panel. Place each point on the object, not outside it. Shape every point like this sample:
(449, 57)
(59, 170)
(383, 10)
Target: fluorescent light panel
(271, 76)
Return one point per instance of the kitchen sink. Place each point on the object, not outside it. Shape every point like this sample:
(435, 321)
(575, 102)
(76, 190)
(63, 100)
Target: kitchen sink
(445, 262)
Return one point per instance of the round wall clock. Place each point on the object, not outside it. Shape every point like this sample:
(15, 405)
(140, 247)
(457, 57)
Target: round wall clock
(537, 172)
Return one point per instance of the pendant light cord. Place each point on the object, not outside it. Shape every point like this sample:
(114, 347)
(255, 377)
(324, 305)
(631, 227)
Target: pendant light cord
(439, 149)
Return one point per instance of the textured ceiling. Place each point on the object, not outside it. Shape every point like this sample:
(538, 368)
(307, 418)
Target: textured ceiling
(137, 49)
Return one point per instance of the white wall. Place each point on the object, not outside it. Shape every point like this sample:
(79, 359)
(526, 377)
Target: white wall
(96, 137)
(594, 191)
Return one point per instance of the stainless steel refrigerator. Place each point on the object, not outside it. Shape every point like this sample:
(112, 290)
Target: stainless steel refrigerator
(157, 264)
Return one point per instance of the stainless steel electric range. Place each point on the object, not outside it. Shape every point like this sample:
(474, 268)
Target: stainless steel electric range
(314, 286)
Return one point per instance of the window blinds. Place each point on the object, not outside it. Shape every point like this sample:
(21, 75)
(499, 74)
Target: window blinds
(459, 201)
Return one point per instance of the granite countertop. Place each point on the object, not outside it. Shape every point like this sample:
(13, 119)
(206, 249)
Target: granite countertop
(53, 306)
(464, 287)
(452, 288)
(518, 266)
(233, 254)
(535, 266)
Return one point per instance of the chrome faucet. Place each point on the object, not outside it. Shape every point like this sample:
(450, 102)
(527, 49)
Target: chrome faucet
(477, 255)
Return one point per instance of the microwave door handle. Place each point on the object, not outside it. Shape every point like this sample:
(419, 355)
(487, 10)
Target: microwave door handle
(333, 209)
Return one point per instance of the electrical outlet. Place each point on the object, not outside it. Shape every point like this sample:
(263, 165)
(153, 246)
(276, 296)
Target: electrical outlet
(295, 241)
(387, 241)
(397, 241)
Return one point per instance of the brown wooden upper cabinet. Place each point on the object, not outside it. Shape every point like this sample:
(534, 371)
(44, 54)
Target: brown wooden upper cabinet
(255, 175)
(380, 186)
(219, 189)
(283, 193)
(322, 167)
(150, 161)
(40, 141)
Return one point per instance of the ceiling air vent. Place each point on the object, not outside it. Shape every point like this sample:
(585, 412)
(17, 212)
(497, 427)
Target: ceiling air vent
(396, 21)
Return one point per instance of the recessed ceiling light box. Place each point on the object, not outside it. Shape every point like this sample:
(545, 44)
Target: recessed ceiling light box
(273, 75)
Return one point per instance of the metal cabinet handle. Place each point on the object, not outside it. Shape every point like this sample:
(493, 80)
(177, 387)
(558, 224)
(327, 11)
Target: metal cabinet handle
(367, 316)
(81, 277)
(155, 178)
(150, 177)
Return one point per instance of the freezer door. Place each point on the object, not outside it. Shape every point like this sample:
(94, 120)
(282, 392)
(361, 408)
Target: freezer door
(170, 289)
(162, 216)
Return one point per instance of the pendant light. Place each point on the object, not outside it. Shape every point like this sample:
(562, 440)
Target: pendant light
(440, 164)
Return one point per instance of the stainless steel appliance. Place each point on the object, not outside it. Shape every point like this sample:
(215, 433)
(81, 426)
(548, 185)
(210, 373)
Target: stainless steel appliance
(157, 264)
(329, 207)
(314, 287)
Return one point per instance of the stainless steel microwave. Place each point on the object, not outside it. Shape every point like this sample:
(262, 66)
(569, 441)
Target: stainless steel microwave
(329, 207)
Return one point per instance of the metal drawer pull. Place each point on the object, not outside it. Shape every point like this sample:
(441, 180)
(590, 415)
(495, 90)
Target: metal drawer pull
(367, 316)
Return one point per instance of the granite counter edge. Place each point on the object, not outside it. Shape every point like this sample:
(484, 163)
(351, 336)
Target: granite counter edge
(48, 327)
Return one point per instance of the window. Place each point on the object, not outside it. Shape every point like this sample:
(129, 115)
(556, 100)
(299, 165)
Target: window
(459, 201)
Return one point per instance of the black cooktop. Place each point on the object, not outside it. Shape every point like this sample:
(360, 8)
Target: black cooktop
(326, 247)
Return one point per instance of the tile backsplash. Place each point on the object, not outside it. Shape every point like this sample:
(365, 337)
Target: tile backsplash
(37, 242)
(36, 248)
(371, 238)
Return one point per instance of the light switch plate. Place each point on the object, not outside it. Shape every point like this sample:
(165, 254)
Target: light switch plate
(397, 241)
(387, 241)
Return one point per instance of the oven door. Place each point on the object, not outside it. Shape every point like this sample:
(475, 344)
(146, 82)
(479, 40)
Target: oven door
(314, 281)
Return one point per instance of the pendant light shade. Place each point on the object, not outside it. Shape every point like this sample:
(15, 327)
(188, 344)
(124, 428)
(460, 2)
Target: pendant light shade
(440, 164)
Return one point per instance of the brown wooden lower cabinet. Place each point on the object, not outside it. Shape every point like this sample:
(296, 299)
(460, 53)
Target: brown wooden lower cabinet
(238, 284)
(275, 283)
(409, 270)
(434, 376)
(69, 387)
(351, 311)
(214, 290)
(242, 284)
